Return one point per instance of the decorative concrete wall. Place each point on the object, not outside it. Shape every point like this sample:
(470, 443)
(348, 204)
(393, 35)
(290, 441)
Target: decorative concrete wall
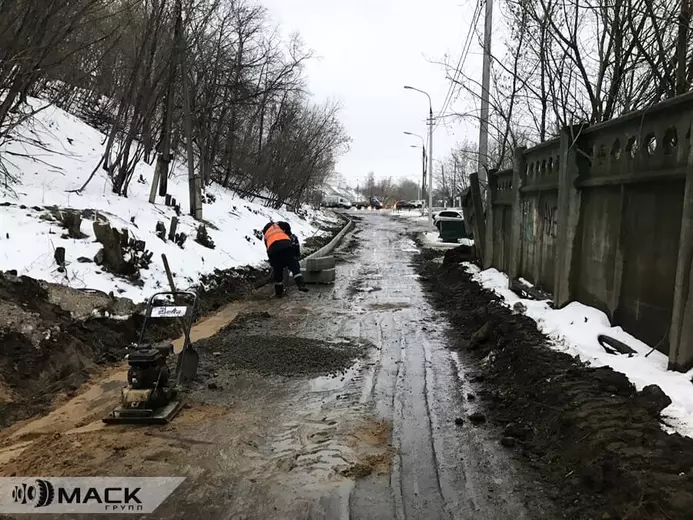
(604, 215)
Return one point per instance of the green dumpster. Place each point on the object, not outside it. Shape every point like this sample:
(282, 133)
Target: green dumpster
(451, 229)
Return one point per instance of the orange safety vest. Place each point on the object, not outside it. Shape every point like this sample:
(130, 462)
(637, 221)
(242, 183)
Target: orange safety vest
(273, 234)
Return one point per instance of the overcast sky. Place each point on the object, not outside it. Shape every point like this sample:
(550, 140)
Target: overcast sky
(367, 50)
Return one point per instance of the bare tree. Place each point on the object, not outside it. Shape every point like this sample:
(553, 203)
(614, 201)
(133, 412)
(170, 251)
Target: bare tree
(579, 61)
(240, 109)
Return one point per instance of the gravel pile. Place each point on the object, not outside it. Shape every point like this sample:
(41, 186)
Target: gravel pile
(277, 355)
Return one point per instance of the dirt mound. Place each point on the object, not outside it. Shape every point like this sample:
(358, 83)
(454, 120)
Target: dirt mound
(595, 441)
(315, 242)
(222, 286)
(459, 254)
(45, 352)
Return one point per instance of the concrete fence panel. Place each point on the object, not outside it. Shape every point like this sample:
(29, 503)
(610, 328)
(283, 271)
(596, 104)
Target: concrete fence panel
(539, 206)
(604, 215)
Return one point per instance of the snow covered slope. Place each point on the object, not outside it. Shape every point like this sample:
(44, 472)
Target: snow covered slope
(56, 153)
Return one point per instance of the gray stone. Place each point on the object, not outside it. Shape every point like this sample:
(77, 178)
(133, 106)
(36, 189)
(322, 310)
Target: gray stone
(321, 263)
(508, 442)
(477, 418)
(482, 335)
(328, 276)
(519, 308)
(653, 399)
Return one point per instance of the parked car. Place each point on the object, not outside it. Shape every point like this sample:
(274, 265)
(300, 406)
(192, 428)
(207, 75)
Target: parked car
(447, 214)
(334, 201)
(371, 203)
(403, 204)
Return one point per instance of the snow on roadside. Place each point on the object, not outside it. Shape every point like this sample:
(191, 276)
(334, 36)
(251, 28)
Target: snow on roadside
(57, 153)
(410, 214)
(432, 239)
(574, 330)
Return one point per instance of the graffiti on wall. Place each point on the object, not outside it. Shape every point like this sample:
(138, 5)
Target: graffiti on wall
(541, 220)
(549, 217)
(527, 220)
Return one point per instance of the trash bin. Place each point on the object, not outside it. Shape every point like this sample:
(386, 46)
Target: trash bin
(451, 229)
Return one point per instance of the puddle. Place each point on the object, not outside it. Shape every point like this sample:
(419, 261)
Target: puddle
(389, 306)
(332, 383)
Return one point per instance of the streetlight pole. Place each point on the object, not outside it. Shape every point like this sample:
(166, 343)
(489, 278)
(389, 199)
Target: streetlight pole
(423, 163)
(430, 154)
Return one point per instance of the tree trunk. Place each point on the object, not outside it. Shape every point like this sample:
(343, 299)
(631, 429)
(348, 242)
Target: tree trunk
(193, 180)
(681, 47)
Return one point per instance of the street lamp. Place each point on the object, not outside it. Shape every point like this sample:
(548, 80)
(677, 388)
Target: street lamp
(423, 164)
(430, 154)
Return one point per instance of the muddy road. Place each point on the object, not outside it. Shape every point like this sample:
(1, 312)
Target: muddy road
(340, 403)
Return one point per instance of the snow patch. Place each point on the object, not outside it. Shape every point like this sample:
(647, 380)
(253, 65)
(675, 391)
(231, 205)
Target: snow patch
(432, 239)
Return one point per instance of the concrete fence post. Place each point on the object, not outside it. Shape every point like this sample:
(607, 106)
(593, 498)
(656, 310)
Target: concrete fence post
(479, 222)
(681, 329)
(568, 215)
(490, 198)
(519, 171)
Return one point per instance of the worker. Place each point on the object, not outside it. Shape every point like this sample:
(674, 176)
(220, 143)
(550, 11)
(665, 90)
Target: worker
(296, 247)
(283, 252)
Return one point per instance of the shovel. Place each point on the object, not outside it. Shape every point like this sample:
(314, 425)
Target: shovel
(188, 359)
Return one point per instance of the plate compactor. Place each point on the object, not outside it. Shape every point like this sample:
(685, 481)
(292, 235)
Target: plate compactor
(152, 397)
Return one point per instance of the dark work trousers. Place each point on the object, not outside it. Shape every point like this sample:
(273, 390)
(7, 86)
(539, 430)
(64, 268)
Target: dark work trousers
(284, 259)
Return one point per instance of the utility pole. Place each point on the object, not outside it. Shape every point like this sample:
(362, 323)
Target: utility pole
(423, 174)
(430, 166)
(485, 86)
(681, 46)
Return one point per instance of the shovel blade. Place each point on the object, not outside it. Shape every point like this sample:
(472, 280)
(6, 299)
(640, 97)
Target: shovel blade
(188, 360)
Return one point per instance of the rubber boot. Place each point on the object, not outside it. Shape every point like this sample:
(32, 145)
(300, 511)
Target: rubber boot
(300, 283)
(279, 290)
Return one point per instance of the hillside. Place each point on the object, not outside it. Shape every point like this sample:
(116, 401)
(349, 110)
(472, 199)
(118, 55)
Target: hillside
(56, 152)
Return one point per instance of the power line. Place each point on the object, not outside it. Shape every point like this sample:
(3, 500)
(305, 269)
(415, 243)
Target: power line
(461, 61)
(448, 95)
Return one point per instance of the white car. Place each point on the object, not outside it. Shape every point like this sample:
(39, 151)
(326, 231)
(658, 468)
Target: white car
(336, 202)
(447, 214)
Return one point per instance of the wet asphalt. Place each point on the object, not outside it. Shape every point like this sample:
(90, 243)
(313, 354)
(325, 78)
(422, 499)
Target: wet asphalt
(440, 469)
